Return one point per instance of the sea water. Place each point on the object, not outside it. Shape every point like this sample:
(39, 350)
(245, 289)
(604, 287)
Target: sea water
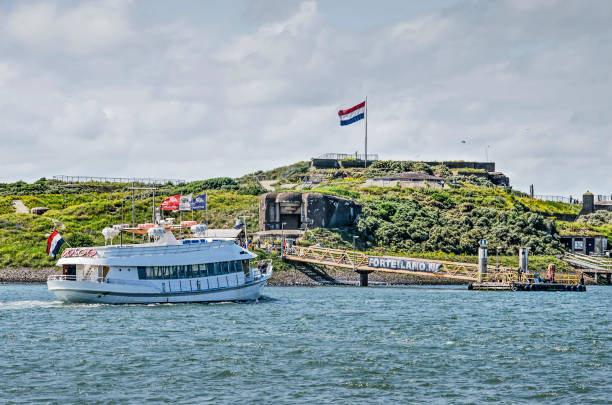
(311, 345)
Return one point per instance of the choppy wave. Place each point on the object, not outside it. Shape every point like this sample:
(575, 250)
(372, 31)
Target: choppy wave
(309, 345)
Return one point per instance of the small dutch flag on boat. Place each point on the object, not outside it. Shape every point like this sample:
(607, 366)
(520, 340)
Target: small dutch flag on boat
(54, 243)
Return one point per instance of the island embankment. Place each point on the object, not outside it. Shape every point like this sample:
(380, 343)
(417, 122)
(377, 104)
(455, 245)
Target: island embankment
(338, 276)
(27, 274)
(286, 278)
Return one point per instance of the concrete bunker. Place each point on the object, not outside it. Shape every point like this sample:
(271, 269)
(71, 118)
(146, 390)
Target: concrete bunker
(299, 211)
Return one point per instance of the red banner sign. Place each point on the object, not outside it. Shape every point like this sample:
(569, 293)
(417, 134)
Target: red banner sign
(171, 203)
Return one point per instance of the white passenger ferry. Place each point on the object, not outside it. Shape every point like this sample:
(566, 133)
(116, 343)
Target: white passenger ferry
(167, 270)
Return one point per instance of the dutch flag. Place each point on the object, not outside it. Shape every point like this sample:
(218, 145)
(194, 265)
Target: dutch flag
(54, 243)
(352, 114)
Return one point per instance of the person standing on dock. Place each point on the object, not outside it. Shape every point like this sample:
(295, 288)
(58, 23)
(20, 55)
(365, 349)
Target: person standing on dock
(551, 273)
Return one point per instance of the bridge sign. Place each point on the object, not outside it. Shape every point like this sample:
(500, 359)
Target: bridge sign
(402, 264)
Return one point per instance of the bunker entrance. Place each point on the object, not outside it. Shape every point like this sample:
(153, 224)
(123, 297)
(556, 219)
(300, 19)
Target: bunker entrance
(292, 221)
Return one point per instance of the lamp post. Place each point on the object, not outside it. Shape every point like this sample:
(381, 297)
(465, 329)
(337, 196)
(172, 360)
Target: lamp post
(282, 238)
(354, 239)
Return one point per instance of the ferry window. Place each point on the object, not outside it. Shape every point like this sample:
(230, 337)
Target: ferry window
(218, 269)
(237, 267)
(150, 272)
(189, 271)
(225, 267)
(142, 273)
(195, 270)
(210, 268)
(174, 271)
(180, 271)
(167, 272)
(202, 270)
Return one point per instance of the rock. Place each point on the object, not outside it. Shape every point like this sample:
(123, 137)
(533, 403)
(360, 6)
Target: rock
(39, 210)
(27, 275)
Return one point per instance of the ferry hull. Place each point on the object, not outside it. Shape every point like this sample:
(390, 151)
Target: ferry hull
(99, 293)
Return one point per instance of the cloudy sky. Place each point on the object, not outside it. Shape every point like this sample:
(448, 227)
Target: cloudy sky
(198, 89)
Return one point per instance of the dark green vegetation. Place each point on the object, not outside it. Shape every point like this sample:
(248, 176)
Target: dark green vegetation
(420, 222)
(599, 222)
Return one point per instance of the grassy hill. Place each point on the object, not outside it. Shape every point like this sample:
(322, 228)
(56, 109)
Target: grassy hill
(442, 223)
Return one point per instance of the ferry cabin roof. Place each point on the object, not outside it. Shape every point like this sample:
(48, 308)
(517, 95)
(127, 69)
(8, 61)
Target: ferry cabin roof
(171, 255)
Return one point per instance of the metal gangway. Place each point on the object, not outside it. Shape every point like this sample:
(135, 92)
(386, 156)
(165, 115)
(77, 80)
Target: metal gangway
(596, 263)
(360, 261)
(599, 268)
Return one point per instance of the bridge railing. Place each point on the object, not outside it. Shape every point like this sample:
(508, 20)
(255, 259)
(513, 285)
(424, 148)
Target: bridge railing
(340, 156)
(360, 261)
(513, 277)
(557, 198)
(98, 179)
(589, 262)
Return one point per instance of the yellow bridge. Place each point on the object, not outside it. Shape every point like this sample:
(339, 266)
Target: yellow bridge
(364, 264)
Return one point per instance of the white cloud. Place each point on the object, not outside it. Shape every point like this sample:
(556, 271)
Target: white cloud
(7, 73)
(87, 28)
(262, 89)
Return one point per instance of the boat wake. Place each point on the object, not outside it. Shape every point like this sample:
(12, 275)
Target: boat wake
(12, 305)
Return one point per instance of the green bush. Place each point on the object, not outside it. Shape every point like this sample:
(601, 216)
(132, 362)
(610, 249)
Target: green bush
(410, 225)
(597, 218)
(79, 239)
(386, 167)
(217, 183)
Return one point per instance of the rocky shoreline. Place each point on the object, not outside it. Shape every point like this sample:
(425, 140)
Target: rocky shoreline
(287, 278)
(346, 277)
(27, 274)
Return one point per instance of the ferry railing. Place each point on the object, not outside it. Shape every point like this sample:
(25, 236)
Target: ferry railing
(263, 271)
(65, 277)
(138, 250)
(530, 278)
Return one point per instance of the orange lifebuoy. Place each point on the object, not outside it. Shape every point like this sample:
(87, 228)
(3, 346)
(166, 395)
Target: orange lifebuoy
(92, 252)
(82, 252)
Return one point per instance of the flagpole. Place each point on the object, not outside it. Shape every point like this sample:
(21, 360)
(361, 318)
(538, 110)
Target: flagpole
(366, 132)
(207, 210)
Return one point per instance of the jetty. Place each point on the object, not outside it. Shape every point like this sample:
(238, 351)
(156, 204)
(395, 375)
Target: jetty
(480, 276)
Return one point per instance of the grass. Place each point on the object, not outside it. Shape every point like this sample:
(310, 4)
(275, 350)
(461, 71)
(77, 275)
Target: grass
(549, 207)
(23, 236)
